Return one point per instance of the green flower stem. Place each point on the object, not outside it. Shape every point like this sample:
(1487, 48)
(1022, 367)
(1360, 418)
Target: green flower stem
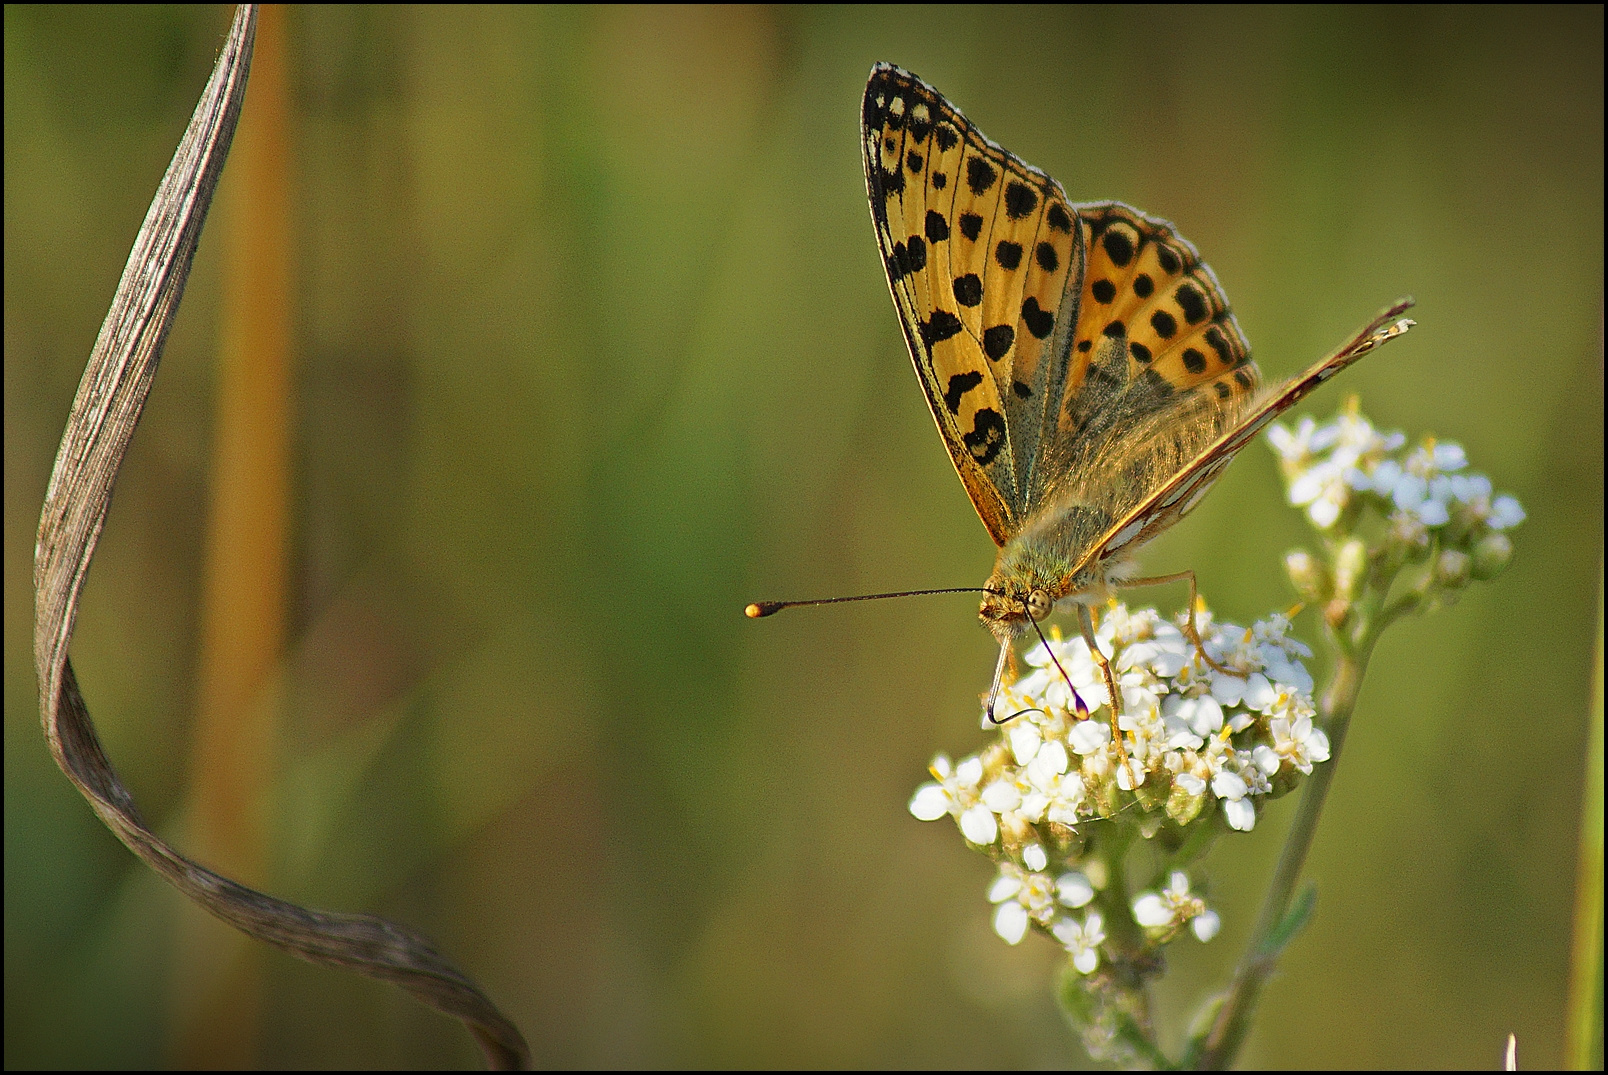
(1233, 1020)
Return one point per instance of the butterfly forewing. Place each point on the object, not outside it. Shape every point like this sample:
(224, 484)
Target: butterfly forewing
(984, 258)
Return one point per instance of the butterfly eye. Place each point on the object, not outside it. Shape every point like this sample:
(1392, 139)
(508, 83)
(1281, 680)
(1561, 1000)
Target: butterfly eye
(1039, 604)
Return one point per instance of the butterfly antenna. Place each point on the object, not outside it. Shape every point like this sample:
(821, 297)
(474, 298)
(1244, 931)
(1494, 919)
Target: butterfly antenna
(760, 609)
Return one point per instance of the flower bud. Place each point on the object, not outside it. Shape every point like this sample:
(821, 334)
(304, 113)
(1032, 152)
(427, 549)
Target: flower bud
(1350, 569)
(1452, 569)
(1309, 576)
(1491, 555)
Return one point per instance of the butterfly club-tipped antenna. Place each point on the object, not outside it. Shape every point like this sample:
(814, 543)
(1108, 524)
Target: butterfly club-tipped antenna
(760, 609)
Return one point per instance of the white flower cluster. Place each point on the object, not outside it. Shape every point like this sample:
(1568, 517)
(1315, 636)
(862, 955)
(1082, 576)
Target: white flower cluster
(1196, 741)
(1330, 466)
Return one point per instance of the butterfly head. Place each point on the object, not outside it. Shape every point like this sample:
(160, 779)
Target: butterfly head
(1033, 577)
(1014, 599)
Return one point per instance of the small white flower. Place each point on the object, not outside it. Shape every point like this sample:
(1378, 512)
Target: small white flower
(1436, 457)
(1283, 669)
(1168, 910)
(1011, 922)
(1024, 897)
(977, 824)
(1505, 513)
(1088, 737)
(1074, 889)
(1384, 477)
(1426, 500)
(1001, 796)
(1297, 740)
(1241, 814)
(1471, 488)
(1232, 790)
(954, 791)
(929, 803)
(1005, 886)
(1066, 797)
(1130, 773)
(1297, 446)
(1253, 691)
(1082, 940)
(1323, 491)
(1047, 684)
(1047, 765)
(1151, 911)
(1203, 716)
(1025, 739)
(1034, 858)
(1192, 783)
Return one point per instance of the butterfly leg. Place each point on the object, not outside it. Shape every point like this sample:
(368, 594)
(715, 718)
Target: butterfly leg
(1190, 629)
(1086, 625)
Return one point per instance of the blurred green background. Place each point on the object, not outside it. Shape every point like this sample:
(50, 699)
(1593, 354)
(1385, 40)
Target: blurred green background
(593, 346)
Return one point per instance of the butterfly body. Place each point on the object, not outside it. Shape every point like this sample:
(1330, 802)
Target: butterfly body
(1080, 360)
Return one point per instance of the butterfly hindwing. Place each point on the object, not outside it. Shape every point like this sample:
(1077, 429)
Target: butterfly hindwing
(984, 257)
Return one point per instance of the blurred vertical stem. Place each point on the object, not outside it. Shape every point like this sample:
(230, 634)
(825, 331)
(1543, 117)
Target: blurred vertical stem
(1232, 1020)
(1584, 1047)
(218, 989)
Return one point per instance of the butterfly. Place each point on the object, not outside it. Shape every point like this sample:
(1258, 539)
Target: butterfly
(1080, 360)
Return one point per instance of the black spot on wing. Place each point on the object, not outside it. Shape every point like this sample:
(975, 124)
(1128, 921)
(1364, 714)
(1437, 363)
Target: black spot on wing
(968, 290)
(987, 436)
(1192, 302)
(1020, 200)
(1047, 258)
(936, 227)
(1039, 322)
(958, 386)
(980, 175)
(971, 225)
(1103, 291)
(1008, 254)
(942, 325)
(1118, 247)
(997, 341)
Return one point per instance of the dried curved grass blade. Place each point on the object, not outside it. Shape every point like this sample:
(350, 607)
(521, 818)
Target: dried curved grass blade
(110, 398)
